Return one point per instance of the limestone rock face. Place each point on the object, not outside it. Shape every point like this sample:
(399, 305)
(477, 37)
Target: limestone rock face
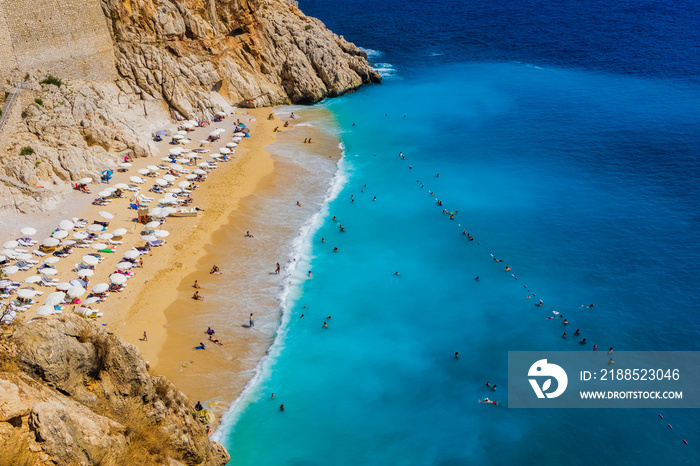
(253, 52)
(83, 396)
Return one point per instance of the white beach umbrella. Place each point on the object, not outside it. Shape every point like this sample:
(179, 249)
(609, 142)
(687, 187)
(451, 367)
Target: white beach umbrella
(81, 235)
(237, 139)
(161, 233)
(136, 179)
(183, 184)
(231, 145)
(176, 167)
(98, 246)
(190, 177)
(152, 225)
(175, 190)
(75, 292)
(182, 132)
(125, 164)
(51, 260)
(121, 186)
(100, 288)
(205, 141)
(92, 300)
(24, 256)
(221, 114)
(66, 225)
(26, 294)
(105, 214)
(64, 286)
(187, 125)
(85, 180)
(153, 168)
(28, 231)
(178, 136)
(68, 242)
(95, 227)
(59, 234)
(55, 298)
(117, 278)
(111, 189)
(214, 134)
(149, 238)
(45, 310)
(10, 270)
(167, 200)
(10, 244)
(143, 171)
(169, 178)
(175, 151)
(48, 271)
(224, 150)
(119, 232)
(50, 242)
(220, 130)
(161, 182)
(203, 164)
(132, 254)
(90, 260)
(106, 236)
(32, 279)
(164, 212)
(104, 193)
(82, 273)
(199, 171)
(124, 265)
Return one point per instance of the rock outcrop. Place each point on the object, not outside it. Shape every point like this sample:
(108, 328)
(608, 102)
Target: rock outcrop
(253, 52)
(71, 393)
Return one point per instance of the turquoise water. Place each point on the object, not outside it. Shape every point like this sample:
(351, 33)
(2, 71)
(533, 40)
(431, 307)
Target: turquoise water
(582, 186)
(582, 179)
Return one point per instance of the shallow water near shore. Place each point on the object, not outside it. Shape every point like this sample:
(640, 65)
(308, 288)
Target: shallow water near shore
(581, 179)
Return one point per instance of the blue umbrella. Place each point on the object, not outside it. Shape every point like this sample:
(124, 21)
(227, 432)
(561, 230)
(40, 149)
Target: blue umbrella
(161, 133)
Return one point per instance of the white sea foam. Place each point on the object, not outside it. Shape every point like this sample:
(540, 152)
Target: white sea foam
(371, 53)
(385, 69)
(300, 254)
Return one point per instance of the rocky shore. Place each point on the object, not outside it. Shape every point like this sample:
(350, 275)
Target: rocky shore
(72, 393)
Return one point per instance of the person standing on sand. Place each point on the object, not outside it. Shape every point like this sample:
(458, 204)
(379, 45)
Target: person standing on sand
(277, 270)
(145, 337)
(251, 323)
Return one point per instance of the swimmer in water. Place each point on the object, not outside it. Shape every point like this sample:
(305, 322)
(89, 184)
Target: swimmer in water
(507, 269)
(282, 407)
(578, 332)
(610, 350)
(583, 342)
(456, 355)
(491, 402)
(595, 348)
(323, 240)
(334, 219)
(611, 361)
(566, 322)
(397, 274)
(335, 249)
(325, 325)
(564, 335)
(477, 278)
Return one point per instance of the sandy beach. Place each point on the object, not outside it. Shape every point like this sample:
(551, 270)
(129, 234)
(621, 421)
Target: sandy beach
(158, 297)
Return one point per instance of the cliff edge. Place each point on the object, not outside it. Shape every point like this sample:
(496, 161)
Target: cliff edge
(73, 394)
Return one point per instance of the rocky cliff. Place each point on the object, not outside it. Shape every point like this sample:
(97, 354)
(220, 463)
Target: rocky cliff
(72, 394)
(129, 67)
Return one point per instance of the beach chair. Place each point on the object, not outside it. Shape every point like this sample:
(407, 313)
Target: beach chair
(133, 188)
(115, 243)
(156, 243)
(46, 281)
(23, 266)
(79, 222)
(26, 242)
(38, 253)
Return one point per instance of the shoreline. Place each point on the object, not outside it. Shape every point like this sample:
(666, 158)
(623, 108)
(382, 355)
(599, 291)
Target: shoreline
(158, 300)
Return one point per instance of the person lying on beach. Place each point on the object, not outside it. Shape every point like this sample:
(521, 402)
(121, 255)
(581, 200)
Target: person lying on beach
(248, 235)
(211, 339)
(214, 269)
(201, 346)
(196, 296)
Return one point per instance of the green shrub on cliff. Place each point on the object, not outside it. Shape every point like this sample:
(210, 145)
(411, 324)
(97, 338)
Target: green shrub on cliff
(26, 150)
(51, 79)
(39, 102)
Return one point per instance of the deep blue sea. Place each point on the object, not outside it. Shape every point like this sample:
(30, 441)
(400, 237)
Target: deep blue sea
(566, 135)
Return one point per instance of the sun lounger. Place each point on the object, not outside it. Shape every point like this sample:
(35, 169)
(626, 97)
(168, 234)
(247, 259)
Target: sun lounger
(23, 266)
(26, 242)
(132, 188)
(38, 253)
(79, 222)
